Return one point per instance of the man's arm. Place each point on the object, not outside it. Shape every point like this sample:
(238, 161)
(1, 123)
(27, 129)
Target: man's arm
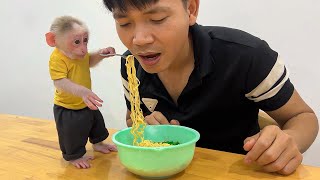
(298, 120)
(280, 150)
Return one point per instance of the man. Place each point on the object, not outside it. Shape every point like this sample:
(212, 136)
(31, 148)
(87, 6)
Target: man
(190, 72)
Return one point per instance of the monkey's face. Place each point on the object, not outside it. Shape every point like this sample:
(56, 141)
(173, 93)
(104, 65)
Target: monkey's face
(75, 42)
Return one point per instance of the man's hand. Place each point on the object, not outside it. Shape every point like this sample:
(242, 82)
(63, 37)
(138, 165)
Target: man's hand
(91, 99)
(274, 150)
(157, 117)
(154, 118)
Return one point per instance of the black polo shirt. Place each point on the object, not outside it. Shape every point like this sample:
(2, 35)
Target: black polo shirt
(235, 75)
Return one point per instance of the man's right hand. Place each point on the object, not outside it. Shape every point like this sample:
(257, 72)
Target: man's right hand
(154, 118)
(157, 117)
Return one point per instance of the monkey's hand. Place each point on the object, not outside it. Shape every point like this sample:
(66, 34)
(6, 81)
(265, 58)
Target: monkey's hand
(91, 99)
(95, 57)
(88, 97)
(108, 50)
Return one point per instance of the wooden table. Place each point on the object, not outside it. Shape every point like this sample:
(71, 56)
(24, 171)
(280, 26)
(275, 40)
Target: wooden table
(29, 150)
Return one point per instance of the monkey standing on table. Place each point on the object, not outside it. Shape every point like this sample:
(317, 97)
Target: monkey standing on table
(75, 106)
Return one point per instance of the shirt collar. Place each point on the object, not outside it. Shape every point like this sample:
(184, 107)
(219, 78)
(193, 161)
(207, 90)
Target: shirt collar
(202, 46)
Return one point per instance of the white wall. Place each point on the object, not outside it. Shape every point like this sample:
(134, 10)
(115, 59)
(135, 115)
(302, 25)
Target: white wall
(26, 87)
(290, 26)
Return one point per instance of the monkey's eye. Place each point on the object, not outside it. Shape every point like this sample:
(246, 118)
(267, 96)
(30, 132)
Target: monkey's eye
(85, 40)
(77, 41)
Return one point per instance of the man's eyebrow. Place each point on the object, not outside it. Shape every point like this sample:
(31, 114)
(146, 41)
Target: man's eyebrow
(118, 15)
(157, 10)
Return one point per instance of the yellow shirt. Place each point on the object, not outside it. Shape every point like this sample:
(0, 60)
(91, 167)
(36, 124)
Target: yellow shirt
(78, 71)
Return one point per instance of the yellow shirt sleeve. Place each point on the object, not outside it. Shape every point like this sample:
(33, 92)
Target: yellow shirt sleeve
(58, 68)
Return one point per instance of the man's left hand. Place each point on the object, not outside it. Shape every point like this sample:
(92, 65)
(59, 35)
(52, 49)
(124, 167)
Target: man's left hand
(274, 150)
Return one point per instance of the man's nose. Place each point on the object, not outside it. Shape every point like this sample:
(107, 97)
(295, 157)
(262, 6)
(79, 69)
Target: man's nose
(142, 36)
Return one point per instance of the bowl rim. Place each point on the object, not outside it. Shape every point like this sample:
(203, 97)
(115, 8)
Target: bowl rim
(194, 140)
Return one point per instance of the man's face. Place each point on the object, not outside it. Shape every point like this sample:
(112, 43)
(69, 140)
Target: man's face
(157, 35)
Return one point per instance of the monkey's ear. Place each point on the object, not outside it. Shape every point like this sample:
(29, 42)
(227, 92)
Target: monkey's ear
(50, 38)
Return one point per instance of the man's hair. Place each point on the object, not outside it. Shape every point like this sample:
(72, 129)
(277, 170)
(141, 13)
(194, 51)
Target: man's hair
(123, 5)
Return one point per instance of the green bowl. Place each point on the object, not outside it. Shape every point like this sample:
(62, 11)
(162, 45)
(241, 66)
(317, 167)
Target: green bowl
(157, 162)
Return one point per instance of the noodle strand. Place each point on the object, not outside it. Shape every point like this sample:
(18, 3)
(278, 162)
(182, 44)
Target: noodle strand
(136, 115)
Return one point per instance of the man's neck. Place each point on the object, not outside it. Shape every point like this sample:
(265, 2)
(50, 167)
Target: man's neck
(176, 78)
(183, 64)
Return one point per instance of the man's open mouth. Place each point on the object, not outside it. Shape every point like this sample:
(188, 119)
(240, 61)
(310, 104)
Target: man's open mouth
(150, 57)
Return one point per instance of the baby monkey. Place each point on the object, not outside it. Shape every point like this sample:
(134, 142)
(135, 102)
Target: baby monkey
(75, 108)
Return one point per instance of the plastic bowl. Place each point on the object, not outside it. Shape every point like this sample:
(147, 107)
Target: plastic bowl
(157, 162)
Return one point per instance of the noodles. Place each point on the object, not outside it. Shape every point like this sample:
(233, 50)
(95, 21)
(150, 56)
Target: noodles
(136, 112)
(148, 143)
